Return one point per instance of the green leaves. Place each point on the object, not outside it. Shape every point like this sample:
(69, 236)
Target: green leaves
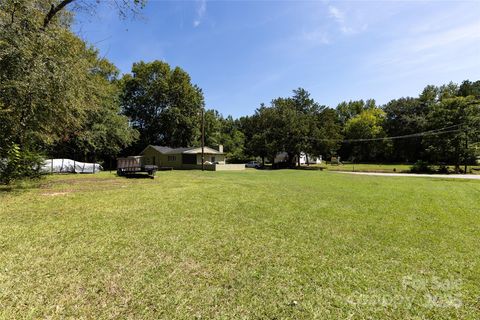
(55, 92)
(293, 125)
(17, 163)
(162, 104)
(367, 125)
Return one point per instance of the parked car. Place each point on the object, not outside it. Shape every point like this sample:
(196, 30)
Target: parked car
(253, 164)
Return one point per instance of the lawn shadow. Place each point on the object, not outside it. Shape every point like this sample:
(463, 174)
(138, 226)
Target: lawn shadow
(138, 176)
(20, 186)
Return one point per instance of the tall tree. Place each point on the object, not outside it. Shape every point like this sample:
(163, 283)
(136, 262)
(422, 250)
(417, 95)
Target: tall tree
(261, 135)
(406, 116)
(460, 116)
(213, 128)
(468, 88)
(367, 125)
(162, 104)
(326, 134)
(105, 132)
(46, 78)
(350, 109)
(292, 125)
(232, 139)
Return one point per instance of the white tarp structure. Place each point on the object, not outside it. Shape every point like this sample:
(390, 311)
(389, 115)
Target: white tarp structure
(69, 166)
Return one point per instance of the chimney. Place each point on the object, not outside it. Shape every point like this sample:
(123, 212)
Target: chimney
(220, 148)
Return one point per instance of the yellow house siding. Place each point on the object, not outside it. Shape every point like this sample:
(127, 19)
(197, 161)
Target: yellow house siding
(152, 156)
(174, 160)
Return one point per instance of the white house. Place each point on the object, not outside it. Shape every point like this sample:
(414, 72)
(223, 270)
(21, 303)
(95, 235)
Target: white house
(283, 157)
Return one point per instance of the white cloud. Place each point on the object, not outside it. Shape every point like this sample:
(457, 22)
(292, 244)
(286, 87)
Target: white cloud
(337, 14)
(431, 51)
(200, 12)
(340, 17)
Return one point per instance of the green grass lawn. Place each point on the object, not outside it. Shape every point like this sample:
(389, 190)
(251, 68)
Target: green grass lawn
(368, 167)
(387, 168)
(285, 244)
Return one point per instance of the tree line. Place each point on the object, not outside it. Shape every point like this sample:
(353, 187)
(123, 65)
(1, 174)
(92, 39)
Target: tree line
(441, 125)
(59, 98)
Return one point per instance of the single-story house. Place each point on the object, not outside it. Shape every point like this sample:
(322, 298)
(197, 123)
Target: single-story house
(181, 158)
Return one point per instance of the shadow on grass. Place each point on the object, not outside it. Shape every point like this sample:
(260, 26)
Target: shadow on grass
(20, 186)
(137, 176)
(311, 168)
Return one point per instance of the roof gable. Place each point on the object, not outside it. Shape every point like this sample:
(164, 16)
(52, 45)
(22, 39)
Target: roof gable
(189, 150)
(195, 150)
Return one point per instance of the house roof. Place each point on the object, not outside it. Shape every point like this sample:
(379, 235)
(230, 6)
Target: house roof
(189, 150)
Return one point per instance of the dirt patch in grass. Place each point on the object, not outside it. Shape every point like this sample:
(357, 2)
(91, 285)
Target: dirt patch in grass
(74, 181)
(57, 187)
(53, 194)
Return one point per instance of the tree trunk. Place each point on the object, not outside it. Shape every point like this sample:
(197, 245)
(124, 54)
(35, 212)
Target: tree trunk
(54, 9)
(457, 162)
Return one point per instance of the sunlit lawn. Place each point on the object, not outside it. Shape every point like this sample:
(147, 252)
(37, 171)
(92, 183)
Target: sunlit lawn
(386, 168)
(368, 167)
(286, 244)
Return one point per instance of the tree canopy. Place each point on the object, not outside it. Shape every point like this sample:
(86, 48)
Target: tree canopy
(54, 89)
(162, 104)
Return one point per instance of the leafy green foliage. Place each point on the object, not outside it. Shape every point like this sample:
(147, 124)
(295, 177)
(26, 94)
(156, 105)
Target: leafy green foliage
(468, 88)
(162, 104)
(18, 163)
(348, 110)
(293, 125)
(233, 140)
(367, 125)
(444, 122)
(105, 132)
(462, 116)
(54, 90)
(421, 167)
(406, 116)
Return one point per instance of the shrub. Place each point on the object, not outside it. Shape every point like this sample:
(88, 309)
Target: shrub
(16, 163)
(421, 167)
(443, 169)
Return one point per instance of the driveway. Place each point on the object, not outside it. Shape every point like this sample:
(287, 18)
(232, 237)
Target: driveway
(444, 176)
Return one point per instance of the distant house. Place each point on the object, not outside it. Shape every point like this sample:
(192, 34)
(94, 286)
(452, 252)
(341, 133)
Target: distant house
(304, 158)
(181, 158)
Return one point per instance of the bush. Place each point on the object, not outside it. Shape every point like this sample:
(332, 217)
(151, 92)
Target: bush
(17, 164)
(443, 169)
(421, 167)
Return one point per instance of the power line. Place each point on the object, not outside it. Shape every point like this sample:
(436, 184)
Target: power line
(413, 135)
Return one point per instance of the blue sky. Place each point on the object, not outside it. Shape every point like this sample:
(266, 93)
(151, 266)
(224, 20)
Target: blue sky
(243, 53)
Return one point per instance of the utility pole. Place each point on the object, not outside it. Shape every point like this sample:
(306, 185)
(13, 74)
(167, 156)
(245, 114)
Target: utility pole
(203, 140)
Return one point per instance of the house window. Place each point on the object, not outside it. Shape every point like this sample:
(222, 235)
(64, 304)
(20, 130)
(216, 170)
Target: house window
(213, 159)
(172, 158)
